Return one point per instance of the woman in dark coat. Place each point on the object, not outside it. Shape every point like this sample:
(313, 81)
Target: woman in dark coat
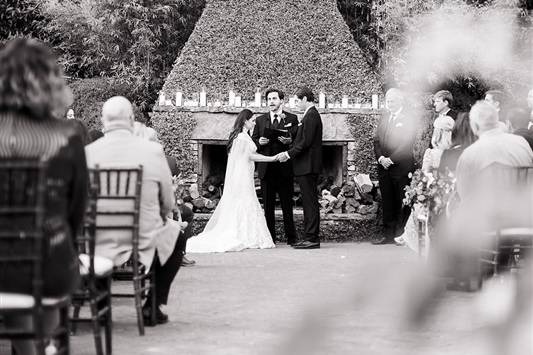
(33, 97)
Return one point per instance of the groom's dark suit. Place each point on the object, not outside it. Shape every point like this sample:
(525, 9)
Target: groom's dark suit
(306, 156)
(394, 138)
(276, 177)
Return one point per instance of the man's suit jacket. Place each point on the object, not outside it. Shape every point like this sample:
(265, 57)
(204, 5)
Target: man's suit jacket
(395, 140)
(290, 123)
(120, 148)
(306, 152)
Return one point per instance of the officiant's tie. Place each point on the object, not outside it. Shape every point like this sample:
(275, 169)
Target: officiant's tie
(276, 122)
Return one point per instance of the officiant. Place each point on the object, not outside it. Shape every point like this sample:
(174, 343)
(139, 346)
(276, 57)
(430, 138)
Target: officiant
(274, 132)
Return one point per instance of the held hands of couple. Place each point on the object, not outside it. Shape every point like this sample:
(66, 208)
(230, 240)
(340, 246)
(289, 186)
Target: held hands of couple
(281, 157)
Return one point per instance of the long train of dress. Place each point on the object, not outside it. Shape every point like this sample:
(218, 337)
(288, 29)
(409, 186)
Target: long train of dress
(238, 221)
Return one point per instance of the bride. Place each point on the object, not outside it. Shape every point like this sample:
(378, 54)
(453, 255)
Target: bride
(238, 221)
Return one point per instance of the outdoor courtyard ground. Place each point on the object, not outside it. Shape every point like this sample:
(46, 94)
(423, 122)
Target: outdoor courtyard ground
(345, 298)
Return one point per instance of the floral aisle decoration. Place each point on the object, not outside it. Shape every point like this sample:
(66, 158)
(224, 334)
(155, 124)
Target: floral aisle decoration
(430, 190)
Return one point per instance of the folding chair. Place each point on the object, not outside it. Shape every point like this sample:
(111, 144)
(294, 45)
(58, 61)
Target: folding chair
(23, 247)
(95, 288)
(118, 203)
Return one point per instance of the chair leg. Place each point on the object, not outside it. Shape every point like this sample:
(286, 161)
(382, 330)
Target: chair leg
(65, 324)
(153, 300)
(96, 327)
(109, 322)
(75, 315)
(138, 305)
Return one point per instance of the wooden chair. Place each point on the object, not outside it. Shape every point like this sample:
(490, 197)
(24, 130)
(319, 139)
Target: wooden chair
(507, 245)
(23, 246)
(95, 288)
(118, 199)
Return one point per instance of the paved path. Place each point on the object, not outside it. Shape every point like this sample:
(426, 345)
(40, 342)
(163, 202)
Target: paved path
(342, 299)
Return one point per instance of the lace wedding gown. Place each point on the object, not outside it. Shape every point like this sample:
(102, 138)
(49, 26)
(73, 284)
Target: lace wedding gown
(238, 221)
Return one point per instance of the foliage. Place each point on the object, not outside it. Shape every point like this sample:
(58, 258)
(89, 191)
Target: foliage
(22, 18)
(243, 45)
(89, 96)
(134, 41)
(175, 131)
(429, 189)
(362, 127)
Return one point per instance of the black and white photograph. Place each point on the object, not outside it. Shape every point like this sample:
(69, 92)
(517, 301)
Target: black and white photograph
(262, 177)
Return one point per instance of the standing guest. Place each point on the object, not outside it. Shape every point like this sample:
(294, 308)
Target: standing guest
(462, 137)
(79, 126)
(160, 249)
(276, 178)
(33, 95)
(306, 155)
(394, 140)
(518, 119)
(442, 102)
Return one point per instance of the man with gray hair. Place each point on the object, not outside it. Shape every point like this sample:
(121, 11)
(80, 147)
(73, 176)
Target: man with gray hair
(394, 141)
(493, 146)
(160, 248)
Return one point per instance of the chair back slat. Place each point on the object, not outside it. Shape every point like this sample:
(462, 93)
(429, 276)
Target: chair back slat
(22, 199)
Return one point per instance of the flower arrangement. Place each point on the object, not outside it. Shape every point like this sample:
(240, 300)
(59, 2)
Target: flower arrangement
(429, 189)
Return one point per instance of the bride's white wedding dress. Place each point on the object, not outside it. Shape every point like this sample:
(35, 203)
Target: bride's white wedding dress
(238, 221)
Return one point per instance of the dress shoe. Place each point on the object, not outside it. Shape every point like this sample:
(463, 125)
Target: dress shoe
(160, 317)
(399, 241)
(186, 262)
(307, 245)
(381, 240)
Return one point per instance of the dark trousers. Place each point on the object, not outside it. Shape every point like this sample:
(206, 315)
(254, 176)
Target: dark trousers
(165, 274)
(283, 186)
(309, 191)
(395, 214)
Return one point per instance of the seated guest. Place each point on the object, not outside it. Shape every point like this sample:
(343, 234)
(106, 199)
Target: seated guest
(32, 92)
(79, 126)
(462, 137)
(493, 146)
(160, 248)
(518, 119)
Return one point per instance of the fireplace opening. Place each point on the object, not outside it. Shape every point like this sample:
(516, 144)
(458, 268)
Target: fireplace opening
(214, 160)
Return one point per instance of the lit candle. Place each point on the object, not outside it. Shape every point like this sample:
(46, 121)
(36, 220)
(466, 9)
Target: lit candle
(231, 100)
(238, 101)
(321, 100)
(203, 98)
(162, 99)
(257, 100)
(375, 101)
(344, 103)
(292, 102)
(179, 98)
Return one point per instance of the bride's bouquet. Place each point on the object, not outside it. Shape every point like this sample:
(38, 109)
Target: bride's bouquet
(430, 190)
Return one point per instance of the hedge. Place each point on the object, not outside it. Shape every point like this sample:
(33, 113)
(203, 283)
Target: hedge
(248, 44)
(90, 95)
(175, 130)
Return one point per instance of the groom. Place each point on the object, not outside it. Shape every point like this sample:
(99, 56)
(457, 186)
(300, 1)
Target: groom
(276, 178)
(306, 155)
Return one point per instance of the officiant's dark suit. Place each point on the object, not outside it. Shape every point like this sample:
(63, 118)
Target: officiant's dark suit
(394, 139)
(276, 178)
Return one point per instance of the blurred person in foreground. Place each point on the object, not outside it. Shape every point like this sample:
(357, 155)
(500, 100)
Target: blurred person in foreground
(159, 245)
(33, 96)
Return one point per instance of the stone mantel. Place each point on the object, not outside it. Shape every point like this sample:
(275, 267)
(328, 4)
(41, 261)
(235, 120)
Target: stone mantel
(257, 110)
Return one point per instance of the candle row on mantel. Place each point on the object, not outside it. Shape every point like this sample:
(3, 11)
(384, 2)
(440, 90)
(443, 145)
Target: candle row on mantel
(235, 100)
